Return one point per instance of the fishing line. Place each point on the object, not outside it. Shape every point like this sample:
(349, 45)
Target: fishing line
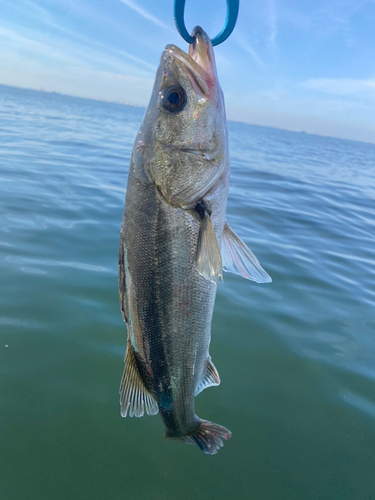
(230, 21)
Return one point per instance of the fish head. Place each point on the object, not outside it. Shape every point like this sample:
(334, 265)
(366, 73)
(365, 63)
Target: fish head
(185, 124)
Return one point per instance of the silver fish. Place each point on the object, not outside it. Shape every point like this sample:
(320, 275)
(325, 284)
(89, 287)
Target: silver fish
(174, 244)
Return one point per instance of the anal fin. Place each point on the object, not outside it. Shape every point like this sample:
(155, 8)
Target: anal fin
(239, 259)
(135, 399)
(210, 377)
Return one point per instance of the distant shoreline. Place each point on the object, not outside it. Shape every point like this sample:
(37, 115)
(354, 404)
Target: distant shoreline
(124, 103)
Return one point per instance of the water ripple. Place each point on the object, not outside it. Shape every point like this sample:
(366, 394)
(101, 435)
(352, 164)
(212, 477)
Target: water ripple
(296, 356)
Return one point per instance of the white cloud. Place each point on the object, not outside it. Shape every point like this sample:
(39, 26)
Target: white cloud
(299, 122)
(334, 19)
(272, 21)
(146, 14)
(40, 61)
(42, 15)
(80, 82)
(16, 42)
(340, 86)
(43, 47)
(91, 14)
(247, 48)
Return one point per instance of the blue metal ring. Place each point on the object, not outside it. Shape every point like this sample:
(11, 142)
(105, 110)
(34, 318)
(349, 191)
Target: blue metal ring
(230, 22)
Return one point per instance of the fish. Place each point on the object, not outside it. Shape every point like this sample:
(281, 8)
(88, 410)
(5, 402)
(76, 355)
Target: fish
(174, 244)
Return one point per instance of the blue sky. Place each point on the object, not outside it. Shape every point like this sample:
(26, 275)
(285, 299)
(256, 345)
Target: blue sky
(294, 64)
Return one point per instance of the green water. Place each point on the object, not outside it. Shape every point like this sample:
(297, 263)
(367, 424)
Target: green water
(296, 357)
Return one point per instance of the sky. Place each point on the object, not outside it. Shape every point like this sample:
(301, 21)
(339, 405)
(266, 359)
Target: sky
(293, 64)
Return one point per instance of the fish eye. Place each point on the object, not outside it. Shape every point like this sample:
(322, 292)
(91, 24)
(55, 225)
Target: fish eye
(173, 99)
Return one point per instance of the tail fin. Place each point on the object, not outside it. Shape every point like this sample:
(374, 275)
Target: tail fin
(208, 436)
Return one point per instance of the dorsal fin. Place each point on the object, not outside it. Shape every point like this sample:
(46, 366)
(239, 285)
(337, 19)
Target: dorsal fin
(210, 377)
(134, 396)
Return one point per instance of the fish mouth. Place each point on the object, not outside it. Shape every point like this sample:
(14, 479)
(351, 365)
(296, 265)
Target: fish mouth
(199, 64)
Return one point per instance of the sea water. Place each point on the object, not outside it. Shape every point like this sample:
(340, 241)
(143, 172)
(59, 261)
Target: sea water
(296, 356)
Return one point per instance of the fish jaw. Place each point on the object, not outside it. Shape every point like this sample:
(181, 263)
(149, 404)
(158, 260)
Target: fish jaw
(202, 52)
(200, 62)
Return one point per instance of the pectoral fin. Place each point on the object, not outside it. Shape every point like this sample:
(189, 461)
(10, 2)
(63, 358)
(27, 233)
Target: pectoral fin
(239, 259)
(134, 396)
(210, 377)
(208, 258)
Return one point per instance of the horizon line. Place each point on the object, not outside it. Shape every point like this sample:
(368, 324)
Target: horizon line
(41, 90)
